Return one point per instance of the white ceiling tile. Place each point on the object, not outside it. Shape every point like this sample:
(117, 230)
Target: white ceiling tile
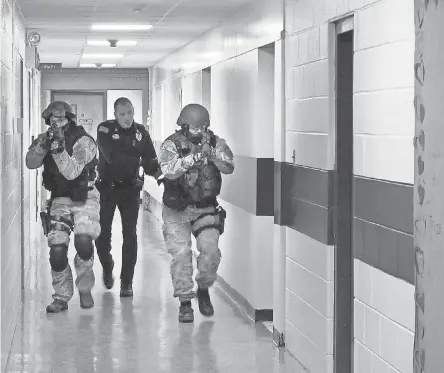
(65, 26)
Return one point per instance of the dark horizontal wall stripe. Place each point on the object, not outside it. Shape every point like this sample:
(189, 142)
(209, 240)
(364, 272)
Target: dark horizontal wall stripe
(383, 210)
(384, 248)
(265, 187)
(385, 203)
(305, 201)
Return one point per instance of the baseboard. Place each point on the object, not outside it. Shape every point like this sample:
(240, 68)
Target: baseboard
(257, 315)
(278, 338)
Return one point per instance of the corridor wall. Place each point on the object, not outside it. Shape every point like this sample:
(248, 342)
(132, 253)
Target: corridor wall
(15, 202)
(383, 168)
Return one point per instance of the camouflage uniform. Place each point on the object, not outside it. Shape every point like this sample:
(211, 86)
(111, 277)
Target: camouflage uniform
(195, 215)
(67, 214)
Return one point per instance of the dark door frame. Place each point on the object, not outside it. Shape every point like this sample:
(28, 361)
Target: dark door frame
(343, 204)
(84, 92)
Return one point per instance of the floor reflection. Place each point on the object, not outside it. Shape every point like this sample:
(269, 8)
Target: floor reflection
(139, 335)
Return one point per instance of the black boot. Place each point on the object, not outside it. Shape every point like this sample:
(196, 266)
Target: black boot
(57, 306)
(186, 313)
(126, 289)
(108, 278)
(205, 306)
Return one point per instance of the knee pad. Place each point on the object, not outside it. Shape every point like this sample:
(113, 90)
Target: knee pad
(84, 246)
(58, 257)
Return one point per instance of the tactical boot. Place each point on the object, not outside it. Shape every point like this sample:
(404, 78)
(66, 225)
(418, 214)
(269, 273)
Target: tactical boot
(205, 306)
(186, 313)
(57, 306)
(126, 289)
(108, 278)
(86, 299)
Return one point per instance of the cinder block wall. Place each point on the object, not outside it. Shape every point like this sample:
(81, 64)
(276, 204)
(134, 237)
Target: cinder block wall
(383, 166)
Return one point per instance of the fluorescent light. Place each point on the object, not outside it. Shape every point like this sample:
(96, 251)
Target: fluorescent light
(88, 65)
(102, 55)
(121, 27)
(97, 65)
(107, 43)
(108, 65)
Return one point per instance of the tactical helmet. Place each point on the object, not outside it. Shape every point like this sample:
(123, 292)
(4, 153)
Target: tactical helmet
(194, 114)
(58, 108)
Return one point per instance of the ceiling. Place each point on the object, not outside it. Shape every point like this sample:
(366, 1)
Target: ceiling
(65, 28)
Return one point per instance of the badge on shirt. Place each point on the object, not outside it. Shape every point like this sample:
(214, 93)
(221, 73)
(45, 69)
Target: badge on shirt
(116, 136)
(138, 136)
(103, 129)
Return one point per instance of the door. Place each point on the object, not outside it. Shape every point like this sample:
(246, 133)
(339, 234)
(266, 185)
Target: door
(344, 290)
(90, 107)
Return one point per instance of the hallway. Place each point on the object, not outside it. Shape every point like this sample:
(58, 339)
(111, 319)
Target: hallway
(141, 334)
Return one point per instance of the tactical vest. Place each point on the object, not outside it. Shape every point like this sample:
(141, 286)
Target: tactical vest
(53, 179)
(199, 186)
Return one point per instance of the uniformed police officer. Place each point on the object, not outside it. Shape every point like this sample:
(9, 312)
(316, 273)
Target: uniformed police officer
(124, 146)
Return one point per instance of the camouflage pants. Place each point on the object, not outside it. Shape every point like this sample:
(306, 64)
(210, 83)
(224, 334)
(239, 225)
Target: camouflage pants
(84, 217)
(177, 229)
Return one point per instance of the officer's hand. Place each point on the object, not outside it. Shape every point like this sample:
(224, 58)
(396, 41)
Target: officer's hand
(57, 146)
(44, 140)
(194, 160)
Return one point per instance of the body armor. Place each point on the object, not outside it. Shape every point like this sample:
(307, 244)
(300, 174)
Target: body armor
(56, 183)
(199, 186)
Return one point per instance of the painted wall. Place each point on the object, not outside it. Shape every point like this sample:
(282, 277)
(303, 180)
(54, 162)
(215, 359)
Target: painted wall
(15, 205)
(242, 106)
(383, 165)
(103, 79)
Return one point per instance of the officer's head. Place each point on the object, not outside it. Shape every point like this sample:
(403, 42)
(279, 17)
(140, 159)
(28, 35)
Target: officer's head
(58, 114)
(195, 119)
(124, 112)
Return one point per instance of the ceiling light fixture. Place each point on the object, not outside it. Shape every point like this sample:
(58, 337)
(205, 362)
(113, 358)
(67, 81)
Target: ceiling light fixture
(107, 43)
(102, 55)
(121, 27)
(98, 65)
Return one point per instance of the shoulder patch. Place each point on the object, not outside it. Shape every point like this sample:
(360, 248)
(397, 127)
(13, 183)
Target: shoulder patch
(103, 129)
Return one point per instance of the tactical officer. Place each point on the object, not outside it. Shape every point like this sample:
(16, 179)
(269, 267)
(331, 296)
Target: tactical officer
(68, 156)
(192, 160)
(124, 146)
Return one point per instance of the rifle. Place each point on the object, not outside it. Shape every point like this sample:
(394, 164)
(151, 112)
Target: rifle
(206, 147)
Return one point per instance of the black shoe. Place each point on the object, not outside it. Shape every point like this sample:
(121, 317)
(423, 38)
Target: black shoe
(57, 306)
(205, 306)
(108, 278)
(126, 289)
(186, 313)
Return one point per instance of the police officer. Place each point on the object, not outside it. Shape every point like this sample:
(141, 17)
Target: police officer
(124, 146)
(68, 156)
(192, 160)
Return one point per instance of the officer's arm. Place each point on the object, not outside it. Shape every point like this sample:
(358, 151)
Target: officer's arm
(83, 152)
(223, 157)
(150, 163)
(171, 164)
(105, 143)
(36, 153)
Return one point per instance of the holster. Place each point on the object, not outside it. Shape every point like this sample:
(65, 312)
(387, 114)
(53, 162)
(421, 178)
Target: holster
(45, 222)
(220, 216)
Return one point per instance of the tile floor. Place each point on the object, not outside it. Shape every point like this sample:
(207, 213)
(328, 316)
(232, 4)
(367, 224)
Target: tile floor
(140, 334)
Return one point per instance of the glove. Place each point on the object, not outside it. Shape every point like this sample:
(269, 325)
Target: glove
(57, 146)
(193, 160)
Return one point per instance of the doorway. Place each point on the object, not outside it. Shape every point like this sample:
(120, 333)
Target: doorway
(344, 290)
(90, 107)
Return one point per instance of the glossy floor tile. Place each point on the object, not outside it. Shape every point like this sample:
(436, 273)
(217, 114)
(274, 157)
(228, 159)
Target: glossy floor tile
(140, 334)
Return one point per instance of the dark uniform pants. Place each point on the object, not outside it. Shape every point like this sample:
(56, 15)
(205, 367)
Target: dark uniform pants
(127, 201)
